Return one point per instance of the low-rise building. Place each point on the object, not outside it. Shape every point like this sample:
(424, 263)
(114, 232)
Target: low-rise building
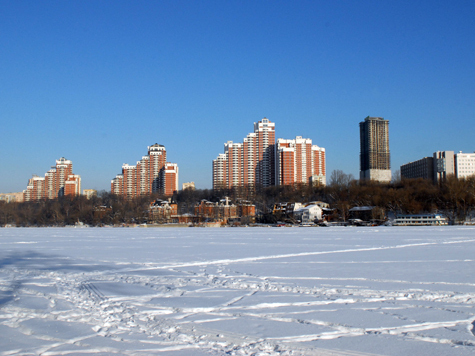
(162, 211)
(308, 214)
(222, 211)
(225, 212)
(367, 213)
(89, 193)
(12, 197)
(188, 185)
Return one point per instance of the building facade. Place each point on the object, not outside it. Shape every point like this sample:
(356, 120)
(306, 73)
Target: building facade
(299, 161)
(58, 181)
(374, 150)
(464, 165)
(89, 193)
(444, 165)
(440, 166)
(250, 163)
(72, 185)
(422, 168)
(12, 197)
(259, 161)
(152, 174)
(188, 185)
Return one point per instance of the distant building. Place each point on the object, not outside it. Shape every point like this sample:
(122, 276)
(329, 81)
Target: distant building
(72, 186)
(208, 211)
(308, 214)
(170, 185)
(249, 163)
(285, 210)
(224, 211)
(374, 150)
(58, 181)
(188, 185)
(299, 161)
(246, 209)
(305, 212)
(366, 213)
(444, 165)
(259, 161)
(440, 166)
(152, 174)
(89, 193)
(423, 168)
(162, 211)
(464, 164)
(12, 197)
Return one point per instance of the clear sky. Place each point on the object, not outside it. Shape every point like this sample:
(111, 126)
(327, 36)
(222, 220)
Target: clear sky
(99, 81)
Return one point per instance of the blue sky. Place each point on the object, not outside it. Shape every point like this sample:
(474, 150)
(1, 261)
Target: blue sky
(99, 81)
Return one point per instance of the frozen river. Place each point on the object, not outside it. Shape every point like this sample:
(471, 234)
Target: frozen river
(237, 291)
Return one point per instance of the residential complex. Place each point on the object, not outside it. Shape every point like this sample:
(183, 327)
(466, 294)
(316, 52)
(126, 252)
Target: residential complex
(58, 181)
(441, 165)
(374, 150)
(299, 161)
(259, 161)
(152, 174)
(249, 163)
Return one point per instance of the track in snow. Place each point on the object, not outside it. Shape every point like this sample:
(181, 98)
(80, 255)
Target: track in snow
(235, 291)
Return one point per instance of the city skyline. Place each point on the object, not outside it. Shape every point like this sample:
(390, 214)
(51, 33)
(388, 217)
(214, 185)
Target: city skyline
(97, 82)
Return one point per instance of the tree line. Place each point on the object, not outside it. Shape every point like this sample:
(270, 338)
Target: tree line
(453, 197)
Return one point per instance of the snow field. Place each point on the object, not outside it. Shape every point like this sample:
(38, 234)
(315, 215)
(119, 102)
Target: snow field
(237, 291)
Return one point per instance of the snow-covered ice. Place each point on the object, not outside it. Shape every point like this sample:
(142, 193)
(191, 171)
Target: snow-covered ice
(237, 291)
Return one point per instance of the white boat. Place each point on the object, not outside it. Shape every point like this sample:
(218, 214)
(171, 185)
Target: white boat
(420, 220)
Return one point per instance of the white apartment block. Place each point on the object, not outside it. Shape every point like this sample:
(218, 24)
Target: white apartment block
(464, 165)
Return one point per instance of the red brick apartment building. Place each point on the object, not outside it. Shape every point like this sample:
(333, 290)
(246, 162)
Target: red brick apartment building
(260, 161)
(152, 174)
(248, 163)
(299, 161)
(58, 181)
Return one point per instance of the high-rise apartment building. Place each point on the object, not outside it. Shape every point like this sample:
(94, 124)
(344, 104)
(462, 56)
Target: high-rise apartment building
(72, 186)
(250, 163)
(152, 174)
(299, 161)
(265, 142)
(170, 183)
(220, 172)
(58, 181)
(374, 150)
(258, 161)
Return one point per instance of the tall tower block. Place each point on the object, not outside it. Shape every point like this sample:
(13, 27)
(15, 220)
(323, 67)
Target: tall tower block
(374, 150)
